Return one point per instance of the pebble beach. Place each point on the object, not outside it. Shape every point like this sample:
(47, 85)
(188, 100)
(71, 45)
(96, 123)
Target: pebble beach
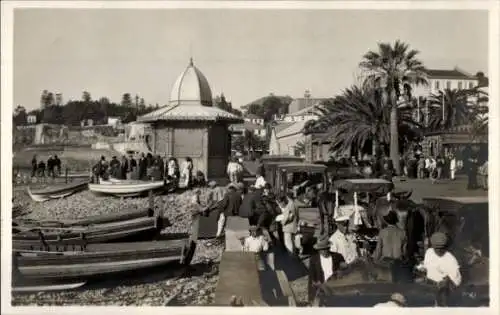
(168, 286)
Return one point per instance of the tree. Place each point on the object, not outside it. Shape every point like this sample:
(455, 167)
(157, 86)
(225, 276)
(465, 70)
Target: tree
(86, 97)
(482, 79)
(126, 100)
(142, 104)
(454, 104)
(359, 116)
(20, 117)
(393, 69)
(222, 103)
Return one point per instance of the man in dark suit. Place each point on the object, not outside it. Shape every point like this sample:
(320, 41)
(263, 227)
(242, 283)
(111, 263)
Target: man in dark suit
(248, 206)
(321, 267)
(228, 206)
(143, 166)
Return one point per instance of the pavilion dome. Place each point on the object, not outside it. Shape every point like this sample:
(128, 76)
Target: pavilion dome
(191, 88)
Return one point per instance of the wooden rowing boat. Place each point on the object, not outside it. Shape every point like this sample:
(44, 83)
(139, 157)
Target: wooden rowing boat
(96, 219)
(137, 228)
(56, 192)
(96, 260)
(128, 189)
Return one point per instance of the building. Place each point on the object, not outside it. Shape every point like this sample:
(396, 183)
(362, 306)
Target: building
(190, 126)
(299, 104)
(114, 121)
(304, 114)
(254, 119)
(31, 119)
(257, 129)
(439, 80)
(286, 138)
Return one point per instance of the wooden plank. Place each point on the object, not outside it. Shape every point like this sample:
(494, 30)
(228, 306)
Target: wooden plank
(236, 228)
(286, 288)
(238, 276)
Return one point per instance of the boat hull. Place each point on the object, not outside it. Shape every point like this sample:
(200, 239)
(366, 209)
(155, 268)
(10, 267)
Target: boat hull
(41, 195)
(99, 259)
(126, 189)
(146, 226)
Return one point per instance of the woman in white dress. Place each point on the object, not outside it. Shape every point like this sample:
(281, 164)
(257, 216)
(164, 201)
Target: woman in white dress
(186, 173)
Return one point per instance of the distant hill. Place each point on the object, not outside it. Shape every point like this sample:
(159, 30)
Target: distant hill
(260, 101)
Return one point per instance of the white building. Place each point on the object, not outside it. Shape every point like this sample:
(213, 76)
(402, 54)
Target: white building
(304, 114)
(254, 119)
(440, 80)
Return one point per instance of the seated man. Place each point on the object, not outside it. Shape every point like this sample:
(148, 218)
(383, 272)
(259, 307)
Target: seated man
(344, 243)
(441, 268)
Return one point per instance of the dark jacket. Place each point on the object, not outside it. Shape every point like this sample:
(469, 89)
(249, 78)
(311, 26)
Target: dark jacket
(391, 243)
(248, 205)
(316, 273)
(143, 165)
(50, 164)
(229, 205)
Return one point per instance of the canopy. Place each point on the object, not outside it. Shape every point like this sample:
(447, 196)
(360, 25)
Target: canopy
(302, 167)
(373, 185)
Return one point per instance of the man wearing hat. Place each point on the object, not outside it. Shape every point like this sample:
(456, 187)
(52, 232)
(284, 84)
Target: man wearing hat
(260, 182)
(321, 267)
(396, 300)
(342, 242)
(441, 268)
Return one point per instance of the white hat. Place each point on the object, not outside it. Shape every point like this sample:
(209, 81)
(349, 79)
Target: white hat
(342, 218)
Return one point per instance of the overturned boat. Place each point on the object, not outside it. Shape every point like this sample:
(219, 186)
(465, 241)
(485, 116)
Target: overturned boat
(56, 192)
(127, 188)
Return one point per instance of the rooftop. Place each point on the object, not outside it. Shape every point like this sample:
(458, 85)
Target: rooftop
(449, 74)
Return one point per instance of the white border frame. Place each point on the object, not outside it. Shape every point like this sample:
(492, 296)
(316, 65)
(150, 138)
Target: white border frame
(7, 22)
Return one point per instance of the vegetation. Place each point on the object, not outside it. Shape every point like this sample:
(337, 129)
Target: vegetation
(53, 111)
(360, 117)
(269, 106)
(392, 71)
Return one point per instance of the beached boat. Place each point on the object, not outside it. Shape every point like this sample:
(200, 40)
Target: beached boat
(126, 189)
(56, 192)
(142, 228)
(96, 219)
(97, 260)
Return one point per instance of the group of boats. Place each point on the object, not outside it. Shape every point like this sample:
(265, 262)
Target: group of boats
(114, 187)
(59, 255)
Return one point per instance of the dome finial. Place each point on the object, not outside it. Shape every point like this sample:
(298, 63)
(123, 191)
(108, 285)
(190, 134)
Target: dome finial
(191, 61)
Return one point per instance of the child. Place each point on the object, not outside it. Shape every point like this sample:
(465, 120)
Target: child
(255, 242)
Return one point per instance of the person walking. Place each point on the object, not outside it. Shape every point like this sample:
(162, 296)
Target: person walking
(289, 220)
(186, 174)
(50, 167)
(34, 166)
(439, 167)
(453, 166)
(472, 167)
(233, 170)
(57, 165)
(248, 206)
(421, 166)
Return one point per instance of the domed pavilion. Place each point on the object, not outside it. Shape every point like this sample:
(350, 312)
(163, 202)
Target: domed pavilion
(190, 126)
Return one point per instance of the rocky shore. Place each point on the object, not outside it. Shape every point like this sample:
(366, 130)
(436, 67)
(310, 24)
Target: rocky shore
(169, 286)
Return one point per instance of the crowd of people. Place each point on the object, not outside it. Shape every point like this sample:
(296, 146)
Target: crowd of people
(149, 167)
(50, 169)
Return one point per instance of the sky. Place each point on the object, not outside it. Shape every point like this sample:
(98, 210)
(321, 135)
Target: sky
(246, 54)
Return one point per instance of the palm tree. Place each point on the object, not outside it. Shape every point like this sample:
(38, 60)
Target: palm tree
(450, 108)
(358, 115)
(394, 69)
